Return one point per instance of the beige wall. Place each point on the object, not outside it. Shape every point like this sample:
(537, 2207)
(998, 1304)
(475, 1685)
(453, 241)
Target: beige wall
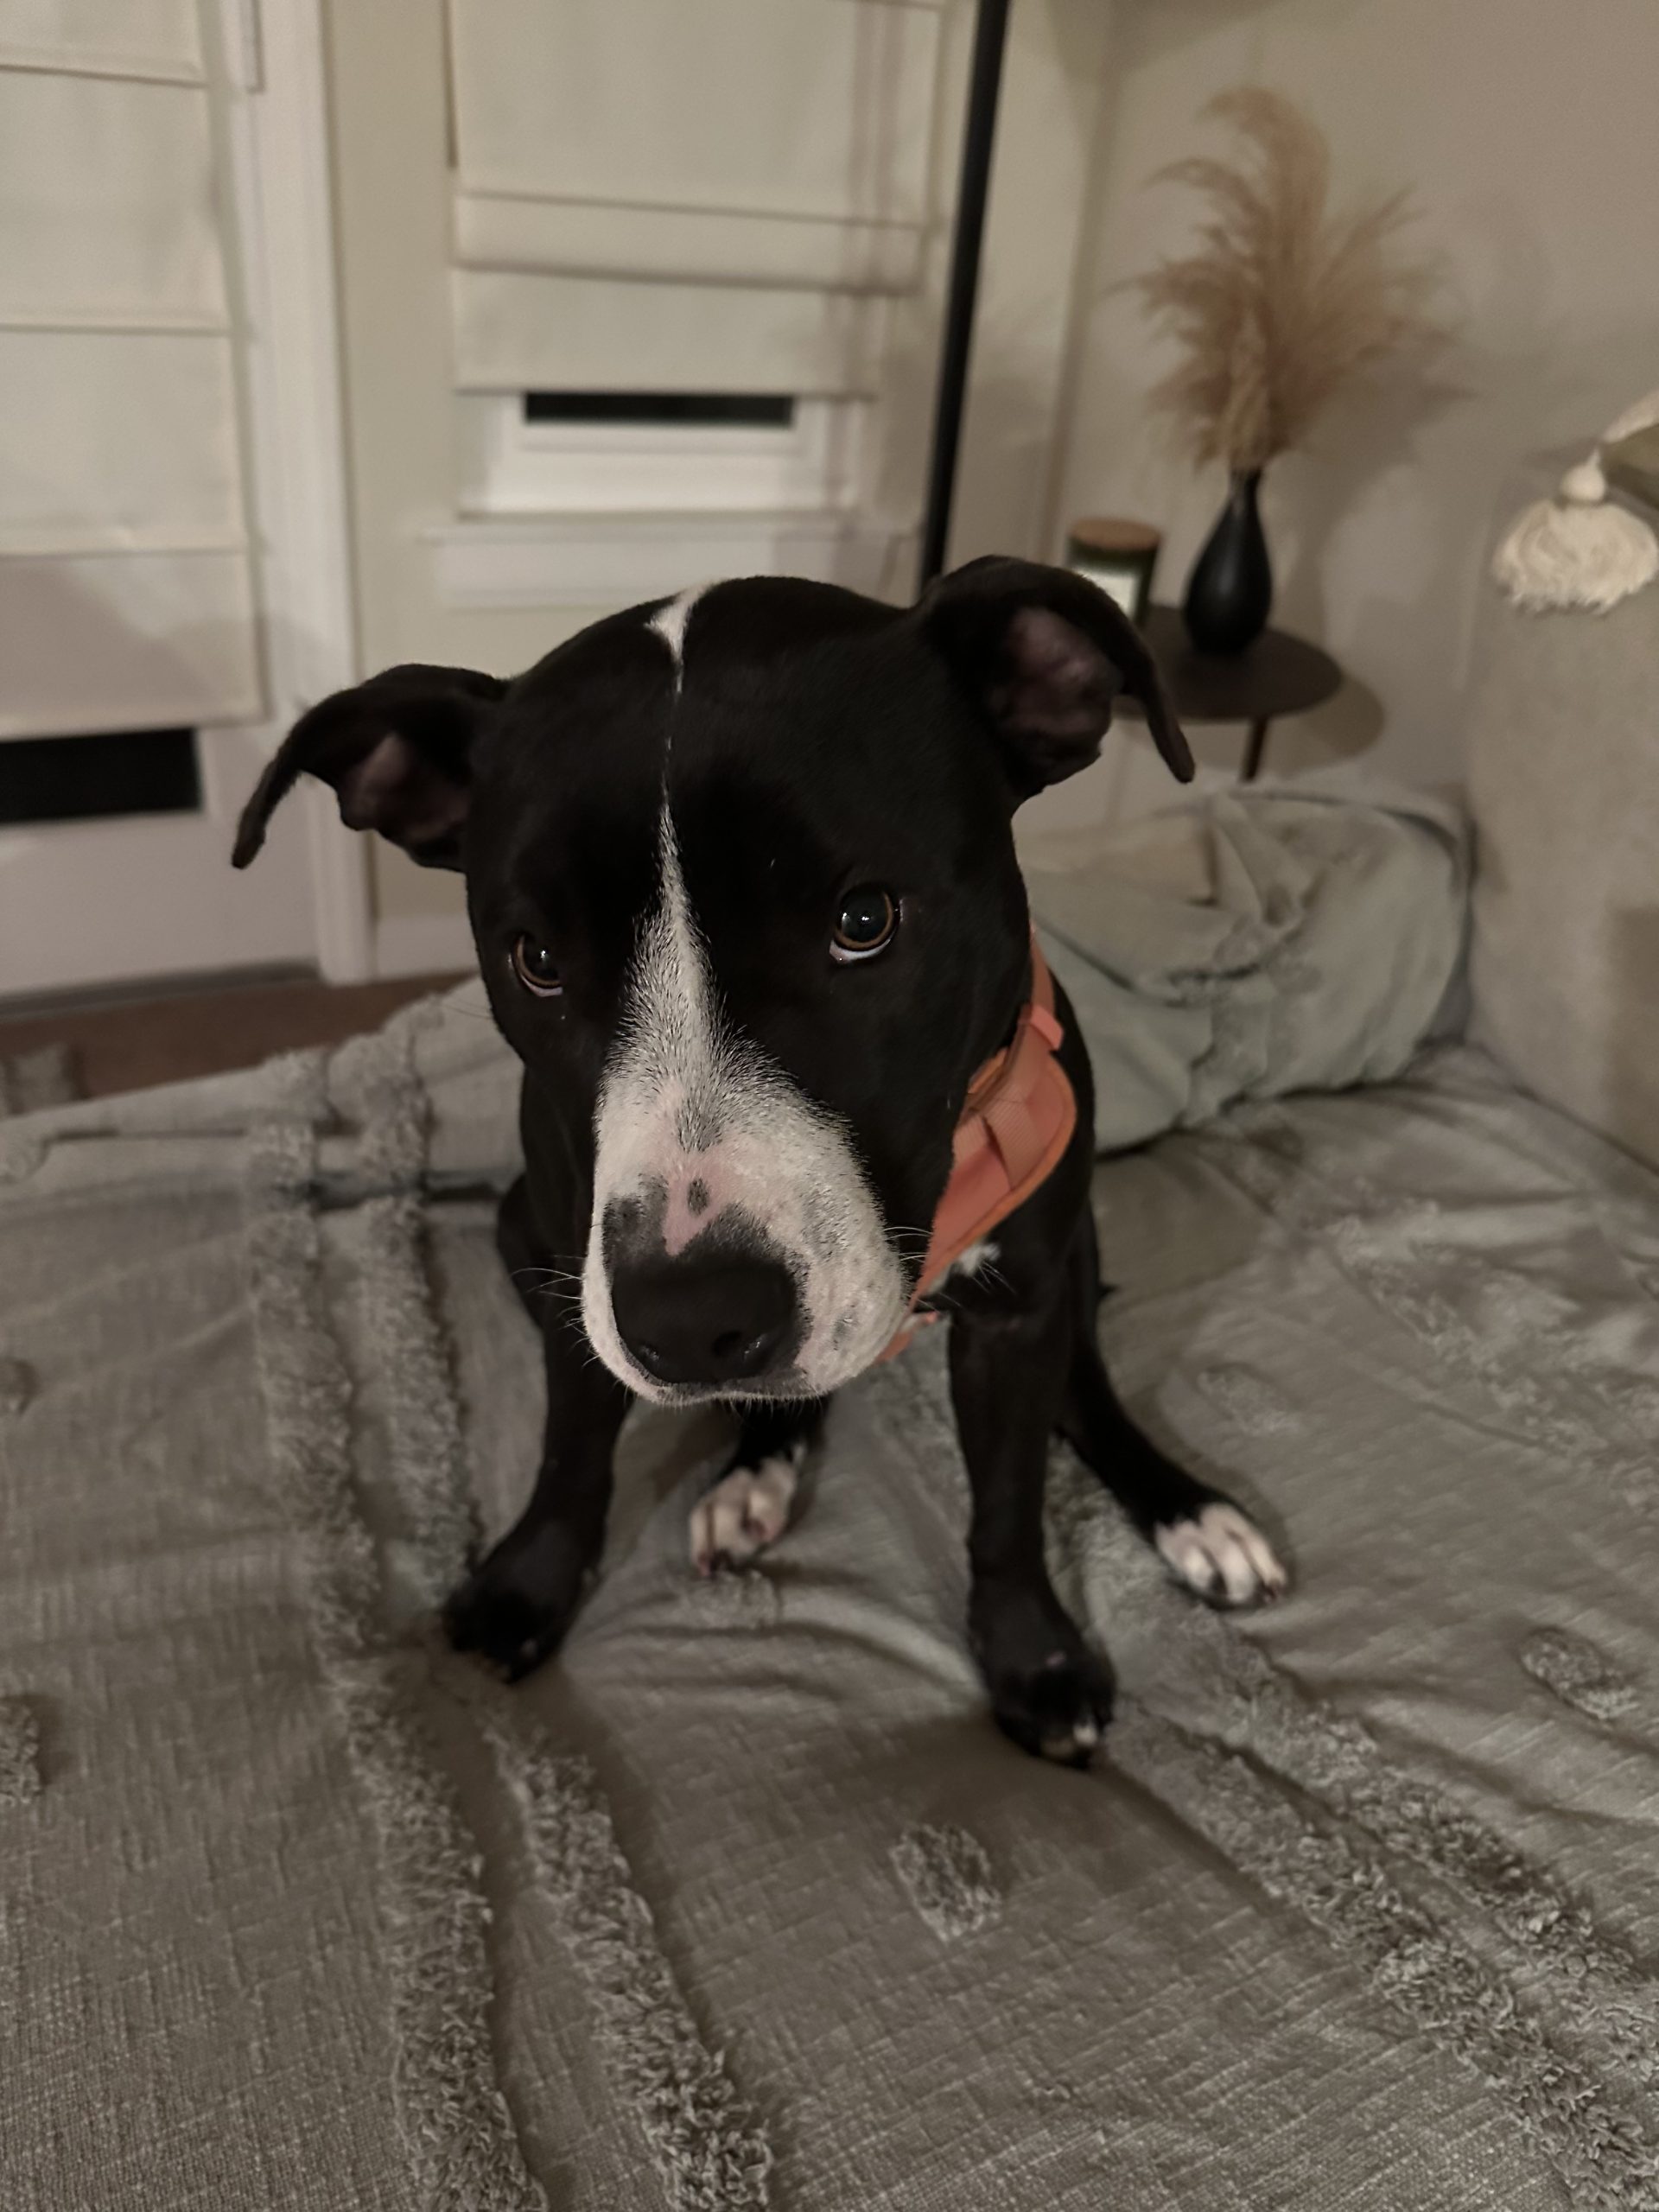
(390, 134)
(1528, 132)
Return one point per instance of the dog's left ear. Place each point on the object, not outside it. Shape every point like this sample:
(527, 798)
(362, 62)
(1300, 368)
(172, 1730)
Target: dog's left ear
(1046, 654)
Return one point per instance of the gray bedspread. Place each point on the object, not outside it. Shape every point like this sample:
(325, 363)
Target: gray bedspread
(743, 1903)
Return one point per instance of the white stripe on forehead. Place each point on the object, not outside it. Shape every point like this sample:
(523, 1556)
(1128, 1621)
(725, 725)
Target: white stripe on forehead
(673, 1001)
(669, 622)
(671, 1020)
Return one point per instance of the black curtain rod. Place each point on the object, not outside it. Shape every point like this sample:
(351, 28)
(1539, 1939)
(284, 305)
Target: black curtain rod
(990, 32)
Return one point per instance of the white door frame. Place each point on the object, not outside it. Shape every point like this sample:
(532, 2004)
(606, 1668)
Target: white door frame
(284, 216)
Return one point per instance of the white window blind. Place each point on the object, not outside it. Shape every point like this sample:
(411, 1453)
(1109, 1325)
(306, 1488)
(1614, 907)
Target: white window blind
(155, 39)
(126, 596)
(687, 194)
(574, 333)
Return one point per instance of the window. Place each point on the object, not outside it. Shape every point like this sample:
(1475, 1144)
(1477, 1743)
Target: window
(545, 452)
(751, 410)
(88, 778)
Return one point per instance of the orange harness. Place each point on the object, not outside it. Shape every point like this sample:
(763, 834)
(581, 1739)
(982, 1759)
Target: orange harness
(1017, 1121)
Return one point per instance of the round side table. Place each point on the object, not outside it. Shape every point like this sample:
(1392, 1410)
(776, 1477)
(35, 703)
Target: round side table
(1277, 675)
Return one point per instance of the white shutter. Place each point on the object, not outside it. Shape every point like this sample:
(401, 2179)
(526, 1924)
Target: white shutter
(106, 189)
(579, 333)
(703, 246)
(158, 641)
(155, 39)
(117, 442)
(125, 597)
(687, 194)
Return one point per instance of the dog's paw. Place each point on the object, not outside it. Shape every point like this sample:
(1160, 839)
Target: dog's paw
(1224, 1556)
(744, 1512)
(1059, 1710)
(511, 1611)
(1049, 1691)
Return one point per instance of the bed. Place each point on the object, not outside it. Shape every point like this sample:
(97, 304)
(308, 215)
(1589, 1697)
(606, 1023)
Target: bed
(743, 1902)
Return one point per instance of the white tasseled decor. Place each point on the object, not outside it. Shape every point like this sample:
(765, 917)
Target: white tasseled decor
(1576, 550)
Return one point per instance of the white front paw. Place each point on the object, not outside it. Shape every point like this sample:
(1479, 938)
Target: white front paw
(743, 1513)
(1224, 1556)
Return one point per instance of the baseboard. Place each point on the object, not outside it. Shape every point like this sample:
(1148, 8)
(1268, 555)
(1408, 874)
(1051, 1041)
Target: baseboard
(423, 945)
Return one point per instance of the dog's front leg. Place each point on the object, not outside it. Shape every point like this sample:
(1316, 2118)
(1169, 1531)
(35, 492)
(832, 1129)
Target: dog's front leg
(1008, 1376)
(515, 1609)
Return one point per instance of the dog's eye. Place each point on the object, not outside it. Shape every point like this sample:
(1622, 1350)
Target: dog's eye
(536, 968)
(866, 923)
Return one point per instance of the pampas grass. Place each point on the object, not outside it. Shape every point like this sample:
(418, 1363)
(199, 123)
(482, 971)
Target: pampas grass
(1282, 300)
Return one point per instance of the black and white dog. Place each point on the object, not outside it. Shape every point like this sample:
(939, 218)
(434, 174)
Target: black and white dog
(741, 872)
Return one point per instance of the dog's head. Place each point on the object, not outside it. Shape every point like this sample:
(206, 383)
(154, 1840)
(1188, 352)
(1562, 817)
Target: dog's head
(741, 875)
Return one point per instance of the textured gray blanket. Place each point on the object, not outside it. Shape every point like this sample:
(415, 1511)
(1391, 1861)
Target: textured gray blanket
(1252, 944)
(744, 1903)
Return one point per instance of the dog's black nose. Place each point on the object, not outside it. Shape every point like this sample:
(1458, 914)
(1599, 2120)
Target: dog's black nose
(708, 1320)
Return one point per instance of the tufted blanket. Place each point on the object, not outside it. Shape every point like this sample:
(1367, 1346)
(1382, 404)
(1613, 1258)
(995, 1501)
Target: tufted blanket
(744, 1903)
(1254, 943)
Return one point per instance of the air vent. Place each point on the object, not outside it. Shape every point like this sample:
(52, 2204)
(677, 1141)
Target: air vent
(87, 779)
(701, 411)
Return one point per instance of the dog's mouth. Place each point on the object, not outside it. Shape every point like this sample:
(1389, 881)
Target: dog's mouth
(785, 1388)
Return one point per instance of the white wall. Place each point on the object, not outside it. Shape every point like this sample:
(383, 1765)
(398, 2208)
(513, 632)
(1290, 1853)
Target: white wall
(1528, 134)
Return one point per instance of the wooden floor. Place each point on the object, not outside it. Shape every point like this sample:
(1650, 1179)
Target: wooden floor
(131, 1044)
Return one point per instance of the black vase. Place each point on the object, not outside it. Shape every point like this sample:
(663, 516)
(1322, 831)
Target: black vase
(1230, 592)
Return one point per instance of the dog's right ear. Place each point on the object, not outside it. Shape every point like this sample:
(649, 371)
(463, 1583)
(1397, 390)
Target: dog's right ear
(397, 749)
